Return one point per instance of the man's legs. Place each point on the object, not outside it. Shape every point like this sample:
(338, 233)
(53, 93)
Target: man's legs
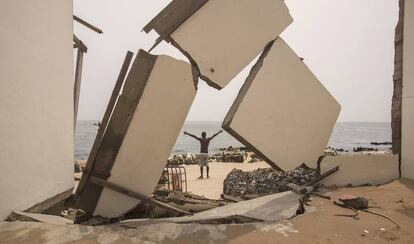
(208, 170)
(201, 172)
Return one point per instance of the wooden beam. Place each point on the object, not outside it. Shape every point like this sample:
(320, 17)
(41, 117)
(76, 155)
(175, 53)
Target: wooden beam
(172, 16)
(77, 85)
(104, 123)
(86, 24)
(135, 195)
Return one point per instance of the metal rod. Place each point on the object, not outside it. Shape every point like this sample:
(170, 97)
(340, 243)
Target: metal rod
(88, 25)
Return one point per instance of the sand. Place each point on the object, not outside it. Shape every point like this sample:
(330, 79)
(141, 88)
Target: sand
(213, 186)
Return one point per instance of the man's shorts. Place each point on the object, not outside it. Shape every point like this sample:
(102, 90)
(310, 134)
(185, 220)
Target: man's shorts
(203, 159)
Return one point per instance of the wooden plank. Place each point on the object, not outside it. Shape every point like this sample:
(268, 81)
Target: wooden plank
(88, 25)
(171, 6)
(173, 16)
(135, 195)
(116, 129)
(77, 85)
(104, 123)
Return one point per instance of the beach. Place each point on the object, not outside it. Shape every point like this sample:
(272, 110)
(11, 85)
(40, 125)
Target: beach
(213, 187)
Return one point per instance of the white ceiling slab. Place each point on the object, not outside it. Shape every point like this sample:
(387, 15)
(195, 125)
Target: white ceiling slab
(151, 135)
(224, 36)
(282, 111)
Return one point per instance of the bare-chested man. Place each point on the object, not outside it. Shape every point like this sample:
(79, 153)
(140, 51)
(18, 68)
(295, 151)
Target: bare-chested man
(203, 156)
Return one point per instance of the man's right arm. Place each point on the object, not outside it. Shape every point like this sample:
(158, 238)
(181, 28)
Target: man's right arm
(193, 136)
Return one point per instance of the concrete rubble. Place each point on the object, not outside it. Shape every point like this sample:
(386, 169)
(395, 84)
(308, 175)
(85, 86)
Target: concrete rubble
(264, 181)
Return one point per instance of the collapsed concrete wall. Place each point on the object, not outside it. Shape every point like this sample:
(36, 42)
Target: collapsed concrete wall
(358, 170)
(407, 135)
(141, 133)
(36, 86)
(221, 37)
(297, 114)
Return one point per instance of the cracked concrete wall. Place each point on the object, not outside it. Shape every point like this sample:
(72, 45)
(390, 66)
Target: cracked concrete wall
(214, 38)
(407, 135)
(36, 101)
(359, 170)
(151, 136)
(283, 113)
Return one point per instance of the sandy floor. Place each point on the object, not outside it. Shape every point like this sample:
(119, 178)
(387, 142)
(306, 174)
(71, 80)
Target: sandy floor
(213, 187)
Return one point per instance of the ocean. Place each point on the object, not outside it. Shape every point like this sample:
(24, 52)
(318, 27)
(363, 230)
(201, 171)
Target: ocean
(346, 135)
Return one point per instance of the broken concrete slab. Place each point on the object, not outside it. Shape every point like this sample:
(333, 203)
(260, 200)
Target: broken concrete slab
(212, 33)
(268, 208)
(297, 114)
(359, 170)
(44, 218)
(274, 207)
(131, 154)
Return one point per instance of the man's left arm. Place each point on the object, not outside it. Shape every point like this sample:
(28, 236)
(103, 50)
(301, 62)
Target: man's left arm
(219, 132)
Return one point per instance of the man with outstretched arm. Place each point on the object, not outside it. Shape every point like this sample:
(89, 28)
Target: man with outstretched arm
(203, 156)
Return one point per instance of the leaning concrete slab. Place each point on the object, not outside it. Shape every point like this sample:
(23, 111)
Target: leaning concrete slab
(283, 112)
(141, 133)
(213, 33)
(359, 170)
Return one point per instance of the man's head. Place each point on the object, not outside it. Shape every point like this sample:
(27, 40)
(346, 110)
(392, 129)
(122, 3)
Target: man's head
(204, 134)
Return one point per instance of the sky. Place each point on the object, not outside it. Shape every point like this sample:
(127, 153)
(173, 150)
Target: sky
(348, 44)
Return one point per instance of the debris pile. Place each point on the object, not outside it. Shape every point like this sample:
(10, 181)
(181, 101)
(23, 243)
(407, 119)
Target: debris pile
(231, 154)
(181, 200)
(180, 159)
(265, 181)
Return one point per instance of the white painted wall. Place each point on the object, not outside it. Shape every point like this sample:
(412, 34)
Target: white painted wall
(359, 170)
(36, 102)
(407, 139)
